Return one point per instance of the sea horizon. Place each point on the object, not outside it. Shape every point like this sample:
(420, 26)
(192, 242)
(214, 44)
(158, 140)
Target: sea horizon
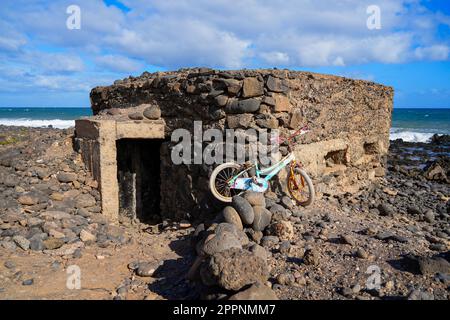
(414, 124)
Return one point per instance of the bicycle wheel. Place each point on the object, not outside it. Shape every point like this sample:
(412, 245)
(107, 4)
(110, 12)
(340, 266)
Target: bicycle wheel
(300, 186)
(218, 182)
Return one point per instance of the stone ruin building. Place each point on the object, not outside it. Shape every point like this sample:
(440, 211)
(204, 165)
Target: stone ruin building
(126, 144)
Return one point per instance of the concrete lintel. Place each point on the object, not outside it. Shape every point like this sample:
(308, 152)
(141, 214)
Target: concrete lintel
(140, 130)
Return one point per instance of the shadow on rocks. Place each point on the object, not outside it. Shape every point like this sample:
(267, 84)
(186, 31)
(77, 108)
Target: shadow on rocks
(422, 265)
(335, 240)
(294, 260)
(406, 263)
(170, 277)
(445, 255)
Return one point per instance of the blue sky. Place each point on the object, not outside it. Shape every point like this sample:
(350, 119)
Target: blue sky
(44, 64)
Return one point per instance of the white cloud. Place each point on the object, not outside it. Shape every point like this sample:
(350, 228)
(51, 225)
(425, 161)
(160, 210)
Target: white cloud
(434, 52)
(275, 57)
(315, 50)
(69, 83)
(294, 33)
(59, 62)
(10, 39)
(177, 43)
(11, 44)
(118, 63)
(219, 33)
(339, 61)
(48, 82)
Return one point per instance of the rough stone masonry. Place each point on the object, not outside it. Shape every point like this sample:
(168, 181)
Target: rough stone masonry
(345, 149)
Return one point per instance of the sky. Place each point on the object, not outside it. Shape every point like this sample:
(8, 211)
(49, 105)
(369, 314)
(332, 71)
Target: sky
(47, 61)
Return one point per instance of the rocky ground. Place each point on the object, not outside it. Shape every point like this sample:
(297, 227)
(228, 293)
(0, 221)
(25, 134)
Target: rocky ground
(388, 241)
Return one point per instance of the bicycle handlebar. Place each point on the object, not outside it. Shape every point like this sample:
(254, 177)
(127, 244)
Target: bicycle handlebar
(299, 132)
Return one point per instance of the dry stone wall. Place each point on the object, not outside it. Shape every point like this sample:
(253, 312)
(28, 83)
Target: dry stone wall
(349, 122)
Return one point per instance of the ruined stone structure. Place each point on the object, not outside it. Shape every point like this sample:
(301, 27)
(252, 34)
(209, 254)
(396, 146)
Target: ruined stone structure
(126, 144)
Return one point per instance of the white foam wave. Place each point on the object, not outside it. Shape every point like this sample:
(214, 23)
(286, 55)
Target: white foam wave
(56, 123)
(411, 136)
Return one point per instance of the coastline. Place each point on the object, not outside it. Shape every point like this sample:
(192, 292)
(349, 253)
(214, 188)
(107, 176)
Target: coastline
(408, 124)
(61, 118)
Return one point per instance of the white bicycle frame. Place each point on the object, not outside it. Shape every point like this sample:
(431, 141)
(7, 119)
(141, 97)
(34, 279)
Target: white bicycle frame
(271, 171)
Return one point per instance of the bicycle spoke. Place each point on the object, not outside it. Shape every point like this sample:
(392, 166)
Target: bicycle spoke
(222, 190)
(230, 174)
(220, 174)
(222, 181)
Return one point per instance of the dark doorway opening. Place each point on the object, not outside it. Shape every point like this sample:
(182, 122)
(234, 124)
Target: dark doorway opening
(139, 177)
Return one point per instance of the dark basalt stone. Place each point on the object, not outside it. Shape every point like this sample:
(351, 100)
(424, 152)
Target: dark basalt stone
(243, 106)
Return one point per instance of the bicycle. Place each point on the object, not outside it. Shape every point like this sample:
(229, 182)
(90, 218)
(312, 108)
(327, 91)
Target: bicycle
(230, 178)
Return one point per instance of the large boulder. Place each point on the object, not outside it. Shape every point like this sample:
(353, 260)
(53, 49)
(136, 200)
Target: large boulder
(233, 269)
(255, 198)
(244, 209)
(259, 251)
(262, 218)
(231, 228)
(230, 215)
(220, 242)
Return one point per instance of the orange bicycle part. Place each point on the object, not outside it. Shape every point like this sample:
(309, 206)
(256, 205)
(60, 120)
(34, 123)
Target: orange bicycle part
(295, 187)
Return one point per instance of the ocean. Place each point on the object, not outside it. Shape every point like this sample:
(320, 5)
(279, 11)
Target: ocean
(419, 124)
(61, 118)
(409, 124)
